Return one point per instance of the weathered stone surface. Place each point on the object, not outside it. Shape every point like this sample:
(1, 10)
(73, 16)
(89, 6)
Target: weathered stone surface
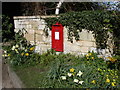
(84, 49)
(30, 37)
(35, 26)
(87, 43)
(39, 38)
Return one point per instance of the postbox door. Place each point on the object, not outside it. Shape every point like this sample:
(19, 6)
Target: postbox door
(57, 37)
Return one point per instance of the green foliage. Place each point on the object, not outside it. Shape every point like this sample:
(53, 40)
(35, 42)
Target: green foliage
(20, 51)
(7, 33)
(99, 22)
(90, 68)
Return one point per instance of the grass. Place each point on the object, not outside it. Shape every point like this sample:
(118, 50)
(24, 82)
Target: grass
(32, 76)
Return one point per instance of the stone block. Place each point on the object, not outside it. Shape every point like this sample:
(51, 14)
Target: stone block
(29, 37)
(39, 32)
(78, 43)
(84, 49)
(83, 36)
(38, 38)
(87, 43)
(41, 27)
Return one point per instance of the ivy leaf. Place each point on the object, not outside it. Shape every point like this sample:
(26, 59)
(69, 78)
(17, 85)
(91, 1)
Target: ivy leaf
(106, 20)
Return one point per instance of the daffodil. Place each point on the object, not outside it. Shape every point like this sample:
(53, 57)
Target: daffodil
(27, 54)
(69, 74)
(89, 54)
(13, 48)
(63, 77)
(16, 46)
(79, 73)
(76, 80)
(4, 55)
(80, 82)
(107, 80)
(32, 48)
(87, 58)
(16, 51)
(111, 59)
(22, 54)
(5, 51)
(72, 70)
(92, 57)
(93, 81)
(8, 54)
(25, 50)
(113, 83)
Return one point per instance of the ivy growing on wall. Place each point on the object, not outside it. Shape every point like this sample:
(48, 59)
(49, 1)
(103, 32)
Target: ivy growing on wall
(99, 22)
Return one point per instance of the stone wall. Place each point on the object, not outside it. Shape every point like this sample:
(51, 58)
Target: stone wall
(35, 26)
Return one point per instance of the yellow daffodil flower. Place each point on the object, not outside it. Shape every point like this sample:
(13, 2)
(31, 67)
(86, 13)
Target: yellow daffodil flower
(87, 58)
(93, 81)
(16, 51)
(72, 70)
(22, 54)
(27, 54)
(8, 54)
(111, 59)
(113, 83)
(92, 57)
(89, 54)
(107, 80)
(32, 48)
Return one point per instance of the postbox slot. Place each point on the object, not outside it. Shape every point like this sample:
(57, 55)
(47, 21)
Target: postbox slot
(56, 25)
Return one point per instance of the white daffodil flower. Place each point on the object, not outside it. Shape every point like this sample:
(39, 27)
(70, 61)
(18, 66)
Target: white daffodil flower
(4, 55)
(16, 51)
(76, 80)
(80, 82)
(5, 51)
(13, 48)
(79, 73)
(69, 74)
(63, 77)
(25, 50)
(16, 46)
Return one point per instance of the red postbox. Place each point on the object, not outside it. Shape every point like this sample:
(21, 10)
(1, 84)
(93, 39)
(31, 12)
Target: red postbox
(57, 37)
